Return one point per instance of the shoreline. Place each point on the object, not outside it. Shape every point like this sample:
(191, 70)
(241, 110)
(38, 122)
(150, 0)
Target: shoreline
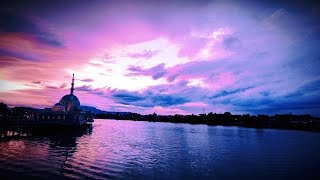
(284, 121)
(315, 129)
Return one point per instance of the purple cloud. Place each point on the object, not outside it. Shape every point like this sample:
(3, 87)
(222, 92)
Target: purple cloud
(36, 82)
(87, 80)
(155, 72)
(145, 54)
(148, 99)
(23, 24)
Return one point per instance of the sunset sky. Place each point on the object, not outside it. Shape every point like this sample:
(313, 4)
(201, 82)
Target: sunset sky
(167, 57)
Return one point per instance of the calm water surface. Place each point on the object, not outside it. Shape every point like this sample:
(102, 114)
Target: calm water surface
(144, 150)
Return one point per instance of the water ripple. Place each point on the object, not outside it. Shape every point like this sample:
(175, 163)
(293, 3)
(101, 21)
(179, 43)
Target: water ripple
(143, 150)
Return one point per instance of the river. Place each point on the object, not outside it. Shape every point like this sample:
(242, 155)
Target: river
(112, 149)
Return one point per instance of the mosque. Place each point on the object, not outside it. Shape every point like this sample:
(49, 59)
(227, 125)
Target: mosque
(69, 102)
(66, 112)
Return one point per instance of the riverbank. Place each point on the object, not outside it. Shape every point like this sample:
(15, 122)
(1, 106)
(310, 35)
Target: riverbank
(287, 121)
(9, 132)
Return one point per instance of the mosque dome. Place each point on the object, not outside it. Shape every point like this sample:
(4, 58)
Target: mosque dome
(70, 97)
(70, 101)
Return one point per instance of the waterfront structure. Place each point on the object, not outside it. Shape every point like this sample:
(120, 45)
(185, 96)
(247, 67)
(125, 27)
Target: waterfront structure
(66, 112)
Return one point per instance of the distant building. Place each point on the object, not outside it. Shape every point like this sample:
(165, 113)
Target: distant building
(66, 112)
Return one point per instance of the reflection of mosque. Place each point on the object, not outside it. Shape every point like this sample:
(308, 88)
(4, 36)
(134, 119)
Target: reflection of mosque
(66, 112)
(49, 152)
(65, 139)
(63, 144)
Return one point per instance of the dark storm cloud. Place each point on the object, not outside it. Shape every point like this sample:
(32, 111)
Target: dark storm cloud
(148, 99)
(168, 100)
(127, 97)
(229, 92)
(304, 100)
(309, 88)
(41, 7)
(279, 105)
(11, 22)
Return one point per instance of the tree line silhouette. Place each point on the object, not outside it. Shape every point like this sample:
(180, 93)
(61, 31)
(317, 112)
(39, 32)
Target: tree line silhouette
(278, 121)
